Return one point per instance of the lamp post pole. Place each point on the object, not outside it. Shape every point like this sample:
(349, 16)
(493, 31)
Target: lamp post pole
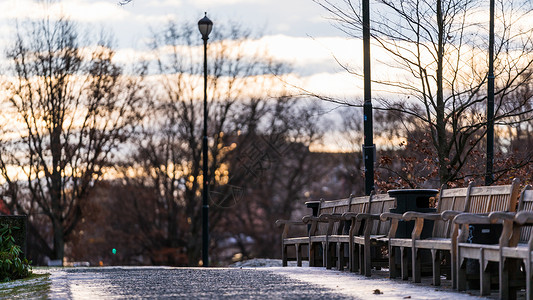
(489, 179)
(368, 146)
(205, 26)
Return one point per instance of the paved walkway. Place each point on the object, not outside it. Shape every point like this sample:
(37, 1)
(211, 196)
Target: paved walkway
(215, 283)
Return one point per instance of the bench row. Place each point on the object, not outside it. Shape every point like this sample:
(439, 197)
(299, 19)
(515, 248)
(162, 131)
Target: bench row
(365, 226)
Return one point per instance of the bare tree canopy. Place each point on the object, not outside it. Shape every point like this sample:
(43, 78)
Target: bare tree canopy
(70, 108)
(439, 51)
(252, 120)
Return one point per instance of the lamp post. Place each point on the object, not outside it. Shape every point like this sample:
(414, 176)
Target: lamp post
(368, 146)
(489, 179)
(205, 26)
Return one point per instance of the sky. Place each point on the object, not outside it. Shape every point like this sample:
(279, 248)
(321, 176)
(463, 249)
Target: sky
(296, 31)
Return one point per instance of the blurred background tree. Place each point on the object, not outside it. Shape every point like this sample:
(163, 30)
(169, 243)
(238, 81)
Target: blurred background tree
(68, 109)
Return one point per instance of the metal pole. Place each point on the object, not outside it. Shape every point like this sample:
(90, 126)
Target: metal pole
(205, 202)
(368, 147)
(489, 179)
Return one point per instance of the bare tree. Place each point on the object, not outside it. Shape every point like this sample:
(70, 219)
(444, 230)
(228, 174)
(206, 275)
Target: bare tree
(246, 110)
(70, 108)
(438, 48)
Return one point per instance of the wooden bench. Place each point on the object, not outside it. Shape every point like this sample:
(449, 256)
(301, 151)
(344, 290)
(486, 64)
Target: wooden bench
(329, 224)
(521, 252)
(483, 199)
(365, 248)
(361, 224)
(449, 199)
(309, 226)
(512, 241)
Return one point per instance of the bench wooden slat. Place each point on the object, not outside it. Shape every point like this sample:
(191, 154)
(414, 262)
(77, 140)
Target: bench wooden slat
(517, 249)
(319, 230)
(320, 239)
(503, 198)
(373, 233)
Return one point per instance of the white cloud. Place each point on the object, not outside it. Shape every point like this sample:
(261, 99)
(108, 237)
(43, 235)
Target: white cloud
(79, 10)
(156, 19)
(339, 85)
(92, 10)
(166, 3)
(15, 9)
(203, 3)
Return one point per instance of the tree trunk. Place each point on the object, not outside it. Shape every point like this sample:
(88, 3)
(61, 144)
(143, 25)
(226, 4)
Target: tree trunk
(59, 242)
(441, 124)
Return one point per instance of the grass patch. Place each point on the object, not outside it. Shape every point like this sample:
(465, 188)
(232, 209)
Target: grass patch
(36, 286)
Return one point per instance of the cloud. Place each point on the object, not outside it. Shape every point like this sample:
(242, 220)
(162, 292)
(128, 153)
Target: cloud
(340, 85)
(204, 3)
(314, 67)
(78, 10)
(166, 3)
(310, 55)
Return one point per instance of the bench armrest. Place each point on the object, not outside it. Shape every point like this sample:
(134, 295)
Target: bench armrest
(497, 216)
(323, 218)
(332, 217)
(448, 215)
(394, 219)
(280, 223)
(350, 215)
(524, 217)
(307, 219)
(367, 216)
(390, 216)
(471, 218)
(410, 215)
(286, 226)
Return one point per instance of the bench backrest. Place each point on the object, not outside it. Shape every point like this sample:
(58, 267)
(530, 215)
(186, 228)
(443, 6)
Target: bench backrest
(334, 206)
(486, 199)
(380, 203)
(526, 204)
(339, 206)
(450, 199)
(359, 205)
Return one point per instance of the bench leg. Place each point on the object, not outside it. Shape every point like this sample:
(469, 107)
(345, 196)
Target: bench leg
(435, 258)
(404, 263)
(529, 278)
(354, 258)
(311, 254)
(416, 265)
(298, 255)
(503, 278)
(351, 260)
(484, 275)
(461, 274)
(453, 268)
(368, 259)
(361, 259)
(326, 259)
(340, 256)
(393, 272)
(284, 255)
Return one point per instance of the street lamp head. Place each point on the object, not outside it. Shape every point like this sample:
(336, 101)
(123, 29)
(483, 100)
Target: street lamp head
(205, 26)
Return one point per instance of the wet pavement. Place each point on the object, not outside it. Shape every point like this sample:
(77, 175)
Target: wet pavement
(215, 283)
(172, 283)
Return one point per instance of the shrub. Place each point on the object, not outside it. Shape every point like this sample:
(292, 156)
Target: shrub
(11, 265)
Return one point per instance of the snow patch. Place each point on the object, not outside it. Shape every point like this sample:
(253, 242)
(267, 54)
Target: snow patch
(264, 263)
(379, 286)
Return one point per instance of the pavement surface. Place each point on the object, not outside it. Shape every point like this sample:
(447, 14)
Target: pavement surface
(162, 283)
(215, 283)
